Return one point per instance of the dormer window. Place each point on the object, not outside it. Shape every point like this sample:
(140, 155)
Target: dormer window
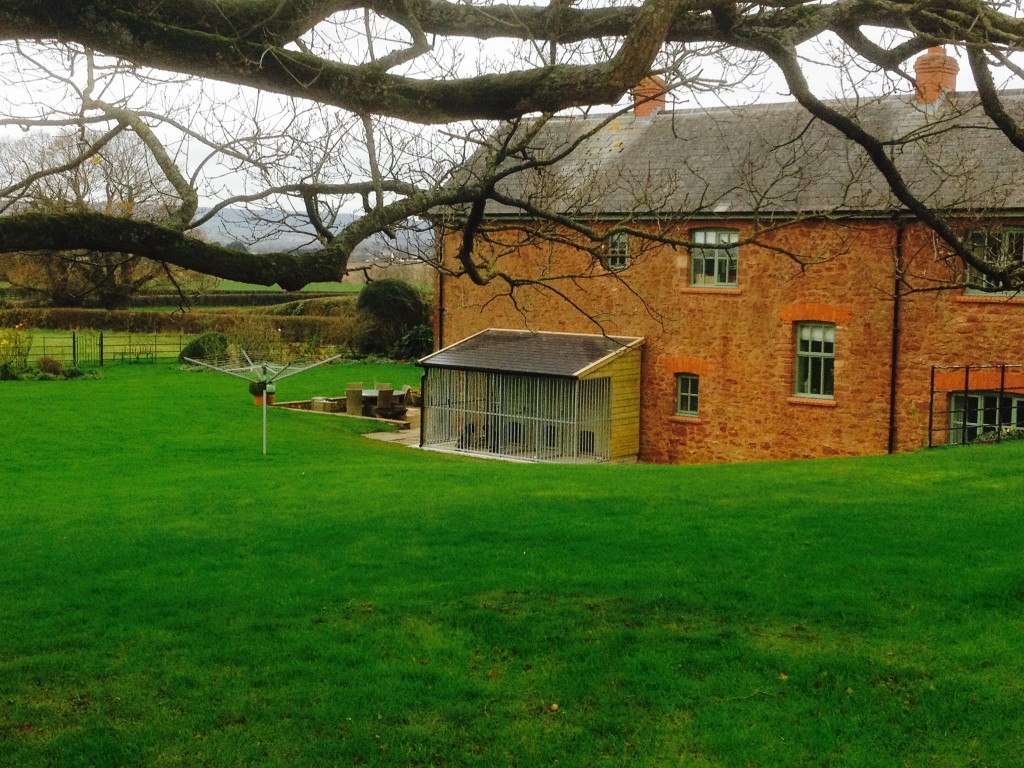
(714, 258)
(618, 251)
(1000, 248)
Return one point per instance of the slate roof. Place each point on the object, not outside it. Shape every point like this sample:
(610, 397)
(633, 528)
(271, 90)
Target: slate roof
(773, 159)
(565, 355)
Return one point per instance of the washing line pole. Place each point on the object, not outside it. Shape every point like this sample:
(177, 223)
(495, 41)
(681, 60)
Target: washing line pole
(268, 373)
(266, 397)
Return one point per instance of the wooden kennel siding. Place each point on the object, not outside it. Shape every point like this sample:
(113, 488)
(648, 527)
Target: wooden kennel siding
(624, 428)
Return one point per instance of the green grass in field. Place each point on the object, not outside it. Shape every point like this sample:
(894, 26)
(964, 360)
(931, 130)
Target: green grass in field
(173, 598)
(118, 345)
(227, 286)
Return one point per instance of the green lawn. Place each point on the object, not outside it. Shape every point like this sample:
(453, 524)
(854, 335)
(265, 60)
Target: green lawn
(171, 597)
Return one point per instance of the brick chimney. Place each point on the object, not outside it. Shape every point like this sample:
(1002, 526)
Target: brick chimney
(649, 96)
(935, 72)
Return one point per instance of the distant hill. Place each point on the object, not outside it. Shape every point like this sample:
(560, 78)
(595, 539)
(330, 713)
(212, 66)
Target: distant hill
(269, 231)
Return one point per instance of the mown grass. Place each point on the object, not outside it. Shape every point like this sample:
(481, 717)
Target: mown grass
(173, 598)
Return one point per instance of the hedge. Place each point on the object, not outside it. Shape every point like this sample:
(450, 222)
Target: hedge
(331, 330)
(236, 298)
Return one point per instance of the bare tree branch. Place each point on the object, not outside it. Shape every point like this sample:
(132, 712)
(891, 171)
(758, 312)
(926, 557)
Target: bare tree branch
(344, 68)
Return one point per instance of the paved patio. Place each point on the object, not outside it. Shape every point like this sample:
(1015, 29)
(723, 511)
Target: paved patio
(409, 437)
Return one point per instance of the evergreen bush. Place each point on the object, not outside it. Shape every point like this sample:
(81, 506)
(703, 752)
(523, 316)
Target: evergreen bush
(389, 308)
(417, 342)
(210, 345)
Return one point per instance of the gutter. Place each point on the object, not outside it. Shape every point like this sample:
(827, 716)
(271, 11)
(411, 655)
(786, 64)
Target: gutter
(894, 352)
(439, 341)
(698, 217)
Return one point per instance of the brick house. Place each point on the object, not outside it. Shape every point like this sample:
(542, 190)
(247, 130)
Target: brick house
(806, 312)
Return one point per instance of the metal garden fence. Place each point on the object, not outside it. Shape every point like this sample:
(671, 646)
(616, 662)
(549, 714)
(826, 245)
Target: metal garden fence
(98, 348)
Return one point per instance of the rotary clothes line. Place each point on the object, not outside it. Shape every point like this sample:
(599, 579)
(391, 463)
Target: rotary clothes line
(265, 372)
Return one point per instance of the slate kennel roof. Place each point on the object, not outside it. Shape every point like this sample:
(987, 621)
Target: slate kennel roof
(567, 355)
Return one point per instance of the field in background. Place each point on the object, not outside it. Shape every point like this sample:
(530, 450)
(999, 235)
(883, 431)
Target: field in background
(233, 286)
(174, 598)
(418, 274)
(89, 349)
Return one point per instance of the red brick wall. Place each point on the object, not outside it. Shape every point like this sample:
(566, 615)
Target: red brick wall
(947, 328)
(742, 341)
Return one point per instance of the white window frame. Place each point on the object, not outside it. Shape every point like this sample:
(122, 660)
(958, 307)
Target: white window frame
(687, 394)
(979, 414)
(814, 371)
(714, 249)
(618, 251)
(1001, 248)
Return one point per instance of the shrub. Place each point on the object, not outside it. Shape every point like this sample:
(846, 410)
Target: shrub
(7, 372)
(15, 344)
(1006, 433)
(287, 309)
(258, 335)
(389, 308)
(342, 331)
(210, 345)
(416, 343)
(50, 365)
(391, 300)
(337, 328)
(313, 346)
(312, 308)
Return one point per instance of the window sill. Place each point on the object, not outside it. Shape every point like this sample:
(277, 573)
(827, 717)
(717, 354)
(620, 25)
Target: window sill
(710, 289)
(817, 402)
(990, 298)
(678, 419)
